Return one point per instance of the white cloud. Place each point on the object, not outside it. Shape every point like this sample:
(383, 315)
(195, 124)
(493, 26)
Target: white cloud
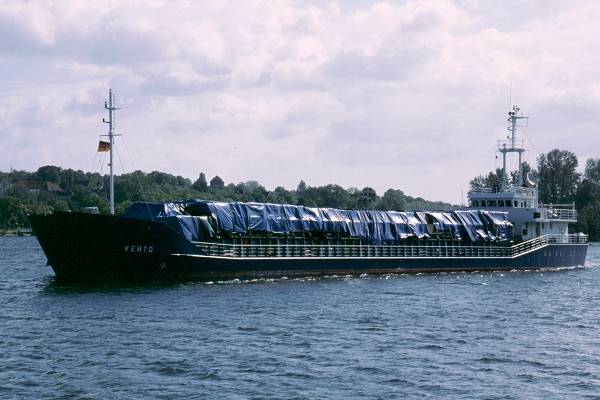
(383, 94)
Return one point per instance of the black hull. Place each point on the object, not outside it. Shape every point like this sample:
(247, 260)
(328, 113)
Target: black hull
(94, 248)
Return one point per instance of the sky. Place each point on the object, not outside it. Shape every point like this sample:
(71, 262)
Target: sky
(410, 95)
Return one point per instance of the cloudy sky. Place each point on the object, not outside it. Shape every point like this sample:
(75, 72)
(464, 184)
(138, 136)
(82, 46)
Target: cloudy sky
(405, 94)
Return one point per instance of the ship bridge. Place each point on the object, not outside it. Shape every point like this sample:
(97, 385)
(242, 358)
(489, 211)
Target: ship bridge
(515, 197)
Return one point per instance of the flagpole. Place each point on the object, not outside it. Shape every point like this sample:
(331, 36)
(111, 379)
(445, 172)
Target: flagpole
(110, 106)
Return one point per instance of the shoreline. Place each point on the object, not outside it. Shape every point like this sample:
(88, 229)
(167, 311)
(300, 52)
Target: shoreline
(16, 232)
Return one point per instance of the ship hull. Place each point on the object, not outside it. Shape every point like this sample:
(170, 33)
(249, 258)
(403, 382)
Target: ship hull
(95, 248)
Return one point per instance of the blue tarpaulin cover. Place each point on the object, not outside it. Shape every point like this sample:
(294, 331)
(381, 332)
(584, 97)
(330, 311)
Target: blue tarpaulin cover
(472, 226)
(186, 225)
(143, 210)
(192, 219)
(446, 222)
(498, 224)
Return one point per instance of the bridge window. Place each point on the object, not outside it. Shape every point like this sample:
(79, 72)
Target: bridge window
(515, 203)
(475, 203)
(491, 203)
(500, 203)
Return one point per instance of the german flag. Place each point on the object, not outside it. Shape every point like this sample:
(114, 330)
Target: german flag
(103, 146)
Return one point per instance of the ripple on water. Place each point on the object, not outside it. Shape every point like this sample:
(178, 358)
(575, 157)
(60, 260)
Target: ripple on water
(457, 335)
(170, 367)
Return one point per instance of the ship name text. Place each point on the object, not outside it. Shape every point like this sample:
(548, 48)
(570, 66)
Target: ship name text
(138, 248)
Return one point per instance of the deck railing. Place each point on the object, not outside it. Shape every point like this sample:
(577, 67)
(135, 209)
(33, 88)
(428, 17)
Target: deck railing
(406, 251)
(559, 211)
(515, 189)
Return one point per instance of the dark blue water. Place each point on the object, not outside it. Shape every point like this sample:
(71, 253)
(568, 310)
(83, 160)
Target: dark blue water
(477, 336)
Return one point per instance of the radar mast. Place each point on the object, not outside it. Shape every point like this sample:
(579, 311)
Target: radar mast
(511, 146)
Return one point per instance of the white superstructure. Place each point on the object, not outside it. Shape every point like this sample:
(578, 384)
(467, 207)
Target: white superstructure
(520, 197)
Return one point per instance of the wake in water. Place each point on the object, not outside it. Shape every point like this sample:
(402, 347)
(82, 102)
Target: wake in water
(363, 276)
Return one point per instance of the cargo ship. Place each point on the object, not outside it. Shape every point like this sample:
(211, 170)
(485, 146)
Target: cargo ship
(503, 228)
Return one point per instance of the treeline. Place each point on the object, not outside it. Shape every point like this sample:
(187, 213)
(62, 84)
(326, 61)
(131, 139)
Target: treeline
(559, 182)
(52, 188)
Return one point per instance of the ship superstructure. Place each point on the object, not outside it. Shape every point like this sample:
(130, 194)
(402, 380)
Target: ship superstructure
(518, 195)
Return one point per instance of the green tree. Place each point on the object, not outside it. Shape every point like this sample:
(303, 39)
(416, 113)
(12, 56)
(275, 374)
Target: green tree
(10, 212)
(587, 200)
(251, 191)
(49, 173)
(280, 196)
(200, 184)
(129, 187)
(588, 221)
(301, 187)
(592, 169)
(588, 193)
(558, 176)
(392, 199)
(217, 183)
(328, 196)
(492, 181)
(81, 197)
(367, 197)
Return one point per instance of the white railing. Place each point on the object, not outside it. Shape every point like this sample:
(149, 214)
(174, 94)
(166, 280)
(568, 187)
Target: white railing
(531, 192)
(577, 238)
(561, 214)
(441, 249)
(559, 211)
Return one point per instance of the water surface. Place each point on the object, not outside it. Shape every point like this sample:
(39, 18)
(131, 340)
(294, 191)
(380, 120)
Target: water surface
(467, 335)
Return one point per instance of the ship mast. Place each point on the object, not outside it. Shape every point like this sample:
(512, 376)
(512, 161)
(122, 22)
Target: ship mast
(511, 146)
(110, 106)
